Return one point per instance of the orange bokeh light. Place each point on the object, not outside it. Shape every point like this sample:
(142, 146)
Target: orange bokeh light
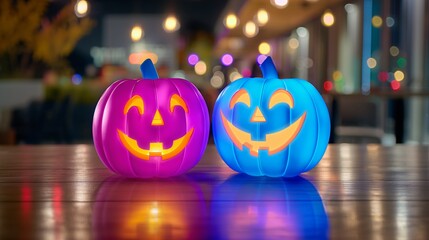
(138, 58)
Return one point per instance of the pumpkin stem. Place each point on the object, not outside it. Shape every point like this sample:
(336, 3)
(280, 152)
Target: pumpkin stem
(148, 70)
(268, 69)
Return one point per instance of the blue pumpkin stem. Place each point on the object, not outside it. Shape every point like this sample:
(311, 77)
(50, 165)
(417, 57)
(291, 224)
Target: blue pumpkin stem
(268, 69)
(148, 70)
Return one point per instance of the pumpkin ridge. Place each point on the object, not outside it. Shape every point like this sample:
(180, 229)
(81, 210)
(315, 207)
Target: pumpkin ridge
(317, 127)
(102, 135)
(258, 128)
(127, 131)
(206, 118)
(289, 148)
(155, 87)
(186, 130)
(98, 143)
(232, 118)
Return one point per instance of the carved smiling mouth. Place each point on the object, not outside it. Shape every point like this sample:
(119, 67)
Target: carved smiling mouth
(156, 149)
(274, 142)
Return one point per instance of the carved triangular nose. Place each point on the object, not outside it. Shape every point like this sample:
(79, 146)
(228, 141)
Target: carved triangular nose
(157, 119)
(257, 116)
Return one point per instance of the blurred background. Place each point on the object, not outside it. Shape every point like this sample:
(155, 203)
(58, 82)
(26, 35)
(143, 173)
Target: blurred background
(368, 58)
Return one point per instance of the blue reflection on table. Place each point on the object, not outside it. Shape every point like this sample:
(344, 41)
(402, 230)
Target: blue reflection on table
(248, 207)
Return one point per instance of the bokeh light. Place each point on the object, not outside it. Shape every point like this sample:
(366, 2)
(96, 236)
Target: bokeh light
(171, 24)
(234, 75)
(328, 19)
(193, 59)
(328, 85)
(377, 21)
(390, 21)
(402, 62)
(350, 8)
(279, 3)
(217, 81)
(302, 32)
(200, 68)
(250, 29)
(394, 51)
(383, 76)
(179, 74)
(262, 17)
(246, 72)
(264, 48)
(337, 75)
(81, 8)
(371, 62)
(261, 58)
(227, 59)
(138, 58)
(76, 79)
(136, 33)
(293, 43)
(399, 75)
(395, 85)
(230, 21)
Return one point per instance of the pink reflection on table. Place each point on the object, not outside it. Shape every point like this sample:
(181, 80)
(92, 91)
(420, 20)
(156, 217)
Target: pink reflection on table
(151, 209)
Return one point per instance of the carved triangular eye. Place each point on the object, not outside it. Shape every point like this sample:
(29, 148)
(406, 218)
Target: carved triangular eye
(281, 96)
(135, 101)
(242, 96)
(176, 100)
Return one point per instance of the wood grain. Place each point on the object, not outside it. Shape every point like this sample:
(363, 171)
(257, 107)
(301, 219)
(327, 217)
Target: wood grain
(356, 192)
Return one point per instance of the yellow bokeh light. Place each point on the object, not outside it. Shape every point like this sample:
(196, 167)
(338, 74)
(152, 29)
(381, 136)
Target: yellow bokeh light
(399, 75)
(250, 29)
(234, 75)
(136, 33)
(377, 21)
(171, 24)
(81, 8)
(328, 19)
(293, 43)
(217, 81)
(231, 21)
(394, 51)
(264, 48)
(262, 17)
(337, 75)
(371, 62)
(200, 68)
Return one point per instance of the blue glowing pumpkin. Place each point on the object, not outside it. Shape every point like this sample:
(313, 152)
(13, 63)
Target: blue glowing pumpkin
(270, 126)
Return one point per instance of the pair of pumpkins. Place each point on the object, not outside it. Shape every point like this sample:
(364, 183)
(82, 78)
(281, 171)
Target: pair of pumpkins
(266, 126)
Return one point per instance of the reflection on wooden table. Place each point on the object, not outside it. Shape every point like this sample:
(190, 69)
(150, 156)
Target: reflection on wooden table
(356, 192)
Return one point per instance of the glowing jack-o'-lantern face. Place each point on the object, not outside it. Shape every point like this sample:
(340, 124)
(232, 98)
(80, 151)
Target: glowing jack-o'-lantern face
(275, 141)
(271, 126)
(151, 127)
(156, 149)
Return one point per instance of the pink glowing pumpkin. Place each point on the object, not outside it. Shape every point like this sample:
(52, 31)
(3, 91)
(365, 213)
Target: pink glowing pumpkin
(150, 127)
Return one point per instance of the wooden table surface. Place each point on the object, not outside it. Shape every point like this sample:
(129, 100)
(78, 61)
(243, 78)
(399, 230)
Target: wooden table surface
(356, 192)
